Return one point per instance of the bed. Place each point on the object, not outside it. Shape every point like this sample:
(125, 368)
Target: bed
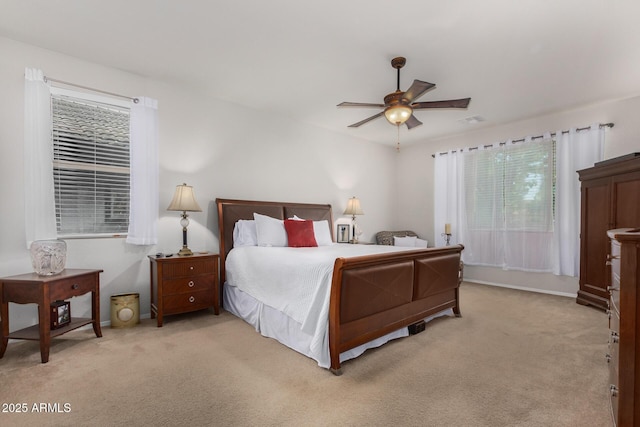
(370, 298)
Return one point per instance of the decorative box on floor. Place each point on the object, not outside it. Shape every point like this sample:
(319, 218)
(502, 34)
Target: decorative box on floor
(125, 310)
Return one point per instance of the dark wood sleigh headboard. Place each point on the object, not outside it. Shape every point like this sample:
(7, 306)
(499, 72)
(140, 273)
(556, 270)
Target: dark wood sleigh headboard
(230, 211)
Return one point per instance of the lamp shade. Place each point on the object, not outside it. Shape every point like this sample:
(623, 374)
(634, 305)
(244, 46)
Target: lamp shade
(184, 200)
(398, 114)
(353, 207)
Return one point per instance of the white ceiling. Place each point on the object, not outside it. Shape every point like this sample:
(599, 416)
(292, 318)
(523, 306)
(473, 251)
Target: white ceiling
(515, 59)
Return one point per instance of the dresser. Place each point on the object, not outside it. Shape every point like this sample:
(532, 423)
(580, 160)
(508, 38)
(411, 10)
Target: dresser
(624, 335)
(181, 284)
(610, 191)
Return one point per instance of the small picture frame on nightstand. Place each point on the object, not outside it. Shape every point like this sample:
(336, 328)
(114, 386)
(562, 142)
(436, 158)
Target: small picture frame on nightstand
(343, 233)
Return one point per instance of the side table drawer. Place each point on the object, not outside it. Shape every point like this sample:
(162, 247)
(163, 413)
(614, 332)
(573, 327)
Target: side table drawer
(71, 287)
(192, 301)
(187, 284)
(191, 267)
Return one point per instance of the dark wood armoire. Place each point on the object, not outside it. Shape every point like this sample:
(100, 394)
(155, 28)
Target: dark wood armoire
(610, 198)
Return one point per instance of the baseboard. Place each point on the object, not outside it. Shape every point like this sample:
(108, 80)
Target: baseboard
(522, 288)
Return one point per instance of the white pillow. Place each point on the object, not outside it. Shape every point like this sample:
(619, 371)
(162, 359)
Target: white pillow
(422, 243)
(270, 231)
(244, 233)
(322, 233)
(404, 241)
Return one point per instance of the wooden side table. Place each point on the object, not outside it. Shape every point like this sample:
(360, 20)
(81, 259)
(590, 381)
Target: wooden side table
(180, 284)
(43, 290)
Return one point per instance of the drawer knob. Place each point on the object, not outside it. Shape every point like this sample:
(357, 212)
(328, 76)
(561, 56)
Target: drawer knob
(613, 390)
(192, 299)
(614, 337)
(191, 267)
(191, 284)
(75, 286)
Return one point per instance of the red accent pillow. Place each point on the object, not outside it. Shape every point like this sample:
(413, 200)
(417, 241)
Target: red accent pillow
(300, 233)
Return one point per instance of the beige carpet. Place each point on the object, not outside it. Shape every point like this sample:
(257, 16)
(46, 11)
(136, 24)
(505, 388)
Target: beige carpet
(513, 359)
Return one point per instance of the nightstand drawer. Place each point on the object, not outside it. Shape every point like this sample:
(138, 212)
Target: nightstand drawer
(187, 284)
(192, 301)
(189, 267)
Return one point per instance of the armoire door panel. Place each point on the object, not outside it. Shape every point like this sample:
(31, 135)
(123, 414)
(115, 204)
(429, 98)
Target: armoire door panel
(610, 192)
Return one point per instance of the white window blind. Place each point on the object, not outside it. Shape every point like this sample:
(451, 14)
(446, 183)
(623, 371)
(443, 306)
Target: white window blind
(511, 188)
(528, 187)
(90, 166)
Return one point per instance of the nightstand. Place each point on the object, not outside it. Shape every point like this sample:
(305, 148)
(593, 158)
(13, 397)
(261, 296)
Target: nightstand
(181, 284)
(43, 290)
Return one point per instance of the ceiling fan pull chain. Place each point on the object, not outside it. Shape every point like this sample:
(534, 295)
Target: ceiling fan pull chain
(398, 144)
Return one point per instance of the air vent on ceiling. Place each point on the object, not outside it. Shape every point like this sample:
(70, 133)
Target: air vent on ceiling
(472, 120)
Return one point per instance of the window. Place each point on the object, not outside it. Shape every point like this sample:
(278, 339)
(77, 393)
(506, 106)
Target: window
(508, 206)
(511, 188)
(90, 164)
(514, 206)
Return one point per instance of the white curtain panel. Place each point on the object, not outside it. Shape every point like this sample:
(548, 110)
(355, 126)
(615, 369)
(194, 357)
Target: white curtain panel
(40, 209)
(529, 238)
(482, 240)
(446, 197)
(144, 200)
(574, 151)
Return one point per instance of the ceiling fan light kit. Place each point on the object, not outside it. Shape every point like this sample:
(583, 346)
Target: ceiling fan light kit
(398, 114)
(399, 106)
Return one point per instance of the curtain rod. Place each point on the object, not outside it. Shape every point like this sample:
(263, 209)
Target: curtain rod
(49, 79)
(602, 125)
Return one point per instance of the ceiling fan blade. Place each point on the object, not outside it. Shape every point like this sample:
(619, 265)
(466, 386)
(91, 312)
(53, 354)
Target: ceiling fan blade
(417, 89)
(359, 104)
(451, 103)
(413, 122)
(368, 119)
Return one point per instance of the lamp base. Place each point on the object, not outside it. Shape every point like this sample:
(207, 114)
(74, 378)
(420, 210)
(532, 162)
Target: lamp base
(185, 251)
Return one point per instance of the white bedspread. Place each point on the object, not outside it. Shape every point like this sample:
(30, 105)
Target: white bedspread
(295, 281)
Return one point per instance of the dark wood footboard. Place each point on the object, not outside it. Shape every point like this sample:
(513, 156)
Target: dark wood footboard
(374, 295)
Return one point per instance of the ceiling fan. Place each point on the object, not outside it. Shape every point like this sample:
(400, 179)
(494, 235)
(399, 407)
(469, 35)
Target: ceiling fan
(399, 106)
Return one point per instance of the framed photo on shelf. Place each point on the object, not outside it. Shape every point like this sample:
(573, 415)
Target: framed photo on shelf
(344, 233)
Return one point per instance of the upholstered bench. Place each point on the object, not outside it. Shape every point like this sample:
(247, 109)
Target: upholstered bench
(386, 237)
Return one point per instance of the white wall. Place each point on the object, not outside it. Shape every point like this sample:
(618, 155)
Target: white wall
(222, 150)
(230, 151)
(415, 176)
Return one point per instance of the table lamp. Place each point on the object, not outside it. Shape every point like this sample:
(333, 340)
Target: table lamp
(184, 200)
(353, 209)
